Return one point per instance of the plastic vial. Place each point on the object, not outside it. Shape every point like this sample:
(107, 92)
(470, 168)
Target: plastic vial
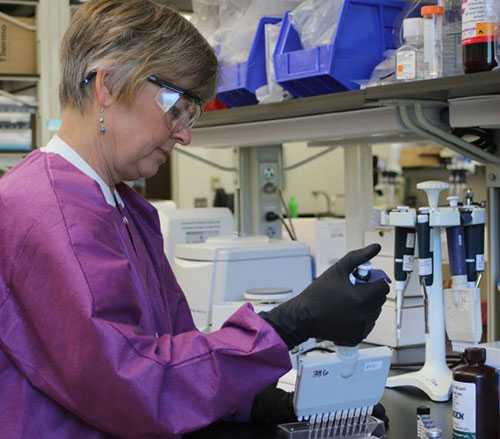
(452, 38)
(433, 41)
(479, 24)
(424, 421)
(475, 397)
(410, 56)
(361, 273)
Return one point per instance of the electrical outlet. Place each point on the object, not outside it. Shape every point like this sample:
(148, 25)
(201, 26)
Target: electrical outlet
(200, 202)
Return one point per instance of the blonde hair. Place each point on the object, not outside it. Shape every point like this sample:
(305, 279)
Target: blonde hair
(133, 39)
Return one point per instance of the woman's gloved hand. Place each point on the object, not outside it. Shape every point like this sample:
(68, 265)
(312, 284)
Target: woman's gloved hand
(273, 406)
(332, 308)
(380, 413)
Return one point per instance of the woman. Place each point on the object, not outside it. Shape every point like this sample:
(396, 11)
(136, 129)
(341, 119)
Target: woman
(96, 337)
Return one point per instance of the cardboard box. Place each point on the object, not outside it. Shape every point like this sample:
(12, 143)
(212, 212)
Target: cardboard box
(18, 47)
(420, 157)
(325, 238)
(413, 325)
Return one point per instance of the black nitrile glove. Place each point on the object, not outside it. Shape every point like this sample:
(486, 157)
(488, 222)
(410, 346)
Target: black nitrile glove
(272, 407)
(380, 413)
(332, 308)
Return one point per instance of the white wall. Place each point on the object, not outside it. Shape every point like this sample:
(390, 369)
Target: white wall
(325, 173)
(192, 179)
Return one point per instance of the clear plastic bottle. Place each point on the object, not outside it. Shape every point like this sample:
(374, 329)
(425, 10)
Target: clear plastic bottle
(410, 56)
(452, 38)
(433, 41)
(424, 421)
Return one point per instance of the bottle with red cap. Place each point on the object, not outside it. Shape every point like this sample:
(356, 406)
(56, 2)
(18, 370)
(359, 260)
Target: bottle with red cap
(475, 398)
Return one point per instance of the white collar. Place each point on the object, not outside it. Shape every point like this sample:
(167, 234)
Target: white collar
(58, 146)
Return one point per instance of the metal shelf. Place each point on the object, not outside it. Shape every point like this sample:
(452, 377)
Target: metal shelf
(367, 116)
(432, 90)
(19, 2)
(19, 78)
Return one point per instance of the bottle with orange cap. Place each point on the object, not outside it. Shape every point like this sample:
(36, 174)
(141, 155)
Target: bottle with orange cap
(433, 41)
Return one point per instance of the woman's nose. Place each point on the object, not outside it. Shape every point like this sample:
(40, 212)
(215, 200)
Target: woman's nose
(184, 136)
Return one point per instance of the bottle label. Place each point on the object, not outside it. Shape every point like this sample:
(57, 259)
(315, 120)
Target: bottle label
(408, 263)
(425, 266)
(480, 263)
(410, 240)
(478, 21)
(464, 410)
(406, 69)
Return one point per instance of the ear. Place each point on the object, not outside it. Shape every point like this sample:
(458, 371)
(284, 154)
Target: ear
(104, 97)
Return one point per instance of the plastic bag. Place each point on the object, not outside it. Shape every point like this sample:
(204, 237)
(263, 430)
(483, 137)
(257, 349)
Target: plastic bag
(316, 21)
(385, 72)
(206, 18)
(238, 23)
(272, 91)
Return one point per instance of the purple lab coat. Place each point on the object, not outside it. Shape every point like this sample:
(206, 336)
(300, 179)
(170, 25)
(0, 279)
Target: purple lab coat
(96, 337)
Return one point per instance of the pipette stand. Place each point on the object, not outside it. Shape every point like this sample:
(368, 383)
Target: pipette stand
(435, 377)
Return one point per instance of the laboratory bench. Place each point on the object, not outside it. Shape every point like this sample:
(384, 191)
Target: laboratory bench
(400, 405)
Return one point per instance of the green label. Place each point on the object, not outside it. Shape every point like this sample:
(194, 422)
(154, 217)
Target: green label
(462, 435)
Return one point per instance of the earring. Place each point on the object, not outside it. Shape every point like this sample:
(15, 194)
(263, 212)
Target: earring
(102, 128)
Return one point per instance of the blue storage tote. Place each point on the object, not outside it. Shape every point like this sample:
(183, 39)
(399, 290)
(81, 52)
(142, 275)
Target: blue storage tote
(237, 83)
(365, 30)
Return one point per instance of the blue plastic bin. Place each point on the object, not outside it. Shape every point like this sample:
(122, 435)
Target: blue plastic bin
(238, 82)
(366, 29)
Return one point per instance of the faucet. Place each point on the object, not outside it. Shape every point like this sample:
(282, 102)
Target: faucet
(327, 199)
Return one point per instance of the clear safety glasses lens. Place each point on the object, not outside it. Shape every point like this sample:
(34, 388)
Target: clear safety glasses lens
(183, 111)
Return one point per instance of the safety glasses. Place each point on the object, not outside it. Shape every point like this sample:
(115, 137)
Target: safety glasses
(183, 108)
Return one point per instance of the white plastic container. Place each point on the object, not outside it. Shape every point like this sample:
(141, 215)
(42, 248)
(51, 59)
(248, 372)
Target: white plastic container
(410, 56)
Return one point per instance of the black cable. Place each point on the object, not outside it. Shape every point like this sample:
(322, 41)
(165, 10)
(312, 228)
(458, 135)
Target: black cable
(287, 228)
(287, 211)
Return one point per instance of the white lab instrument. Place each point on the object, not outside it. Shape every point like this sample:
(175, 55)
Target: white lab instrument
(335, 393)
(435, 377)
(325, 238)
(223, 273)
(493, 356)
(185, 226)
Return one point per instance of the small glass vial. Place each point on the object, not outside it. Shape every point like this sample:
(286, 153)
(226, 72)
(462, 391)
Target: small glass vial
(433, 41)
(410, 56)
(434, 433)
(424, 421)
